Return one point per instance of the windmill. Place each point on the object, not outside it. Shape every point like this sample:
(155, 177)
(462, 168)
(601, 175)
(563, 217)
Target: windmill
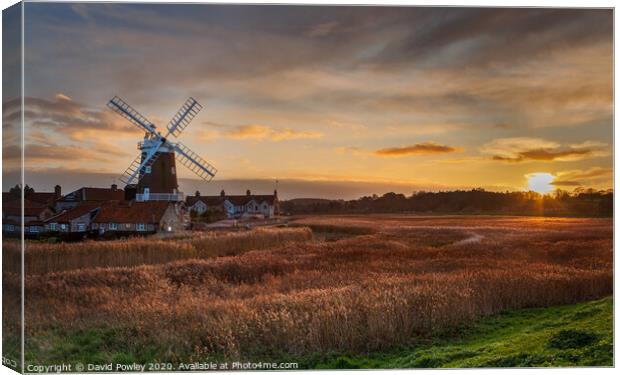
(153, 172)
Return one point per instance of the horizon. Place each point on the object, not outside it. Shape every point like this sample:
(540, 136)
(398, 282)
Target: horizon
(328, 190)
(350, 99)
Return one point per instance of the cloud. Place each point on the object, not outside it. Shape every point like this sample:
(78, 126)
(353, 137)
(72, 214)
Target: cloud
(66, 116)
(63, 131)
(483, 37)
(424, 148)
(546, 155)
(584, 177)
(259, 132)
(297, 68)
(61, 96)
(521, 149)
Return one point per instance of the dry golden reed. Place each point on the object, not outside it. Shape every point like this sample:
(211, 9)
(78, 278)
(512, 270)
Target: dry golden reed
(410, 279)
(43, 258)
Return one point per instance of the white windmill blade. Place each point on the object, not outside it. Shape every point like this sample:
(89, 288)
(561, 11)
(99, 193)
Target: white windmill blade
(119, 106)
(194, 163)
(138, 166)
(186, 114)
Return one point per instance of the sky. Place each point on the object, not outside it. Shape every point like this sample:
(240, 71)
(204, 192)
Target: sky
(333, 102)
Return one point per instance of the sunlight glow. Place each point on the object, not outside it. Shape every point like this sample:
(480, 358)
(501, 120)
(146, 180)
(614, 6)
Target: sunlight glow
(540, 182)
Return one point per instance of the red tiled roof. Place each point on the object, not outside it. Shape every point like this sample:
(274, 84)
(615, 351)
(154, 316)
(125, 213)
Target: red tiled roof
(208, 200)
(103, 194)
(67, 215)
(45, 198)
(241, 200)
(94, 194)
(13, 208)
(39, 197)
(6, 197)
(136, 212)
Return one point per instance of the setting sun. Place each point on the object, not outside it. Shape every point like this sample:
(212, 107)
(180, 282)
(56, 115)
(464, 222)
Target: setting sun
(540, 182)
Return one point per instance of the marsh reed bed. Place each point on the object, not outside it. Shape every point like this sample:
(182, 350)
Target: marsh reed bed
(406, 281)
(43, 258)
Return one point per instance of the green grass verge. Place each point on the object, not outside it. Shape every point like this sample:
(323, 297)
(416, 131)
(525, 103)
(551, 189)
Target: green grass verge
(575, 335)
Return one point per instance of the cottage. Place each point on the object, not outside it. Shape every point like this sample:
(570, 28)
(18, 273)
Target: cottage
(127, 218)
(33, 212)
(75, 220)
(89, 194)
(201, 204)
(41, 198)
(33, 229)
(236, 206)
(12, 210)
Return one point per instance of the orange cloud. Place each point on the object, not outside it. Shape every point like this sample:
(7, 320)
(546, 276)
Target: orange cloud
(521, 149)
(546, 155)
(416, 149)
(260, 132)
(580, 177)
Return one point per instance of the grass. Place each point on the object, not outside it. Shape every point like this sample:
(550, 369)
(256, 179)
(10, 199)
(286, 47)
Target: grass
(574, 335)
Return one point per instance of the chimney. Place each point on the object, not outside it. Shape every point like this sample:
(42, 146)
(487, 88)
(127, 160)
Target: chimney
(197, 193)
(57, 191)
(130, 192)
(114, 187)
(248, 192)
(222, 193)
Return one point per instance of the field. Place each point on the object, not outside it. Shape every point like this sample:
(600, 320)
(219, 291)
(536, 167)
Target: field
(358, 291)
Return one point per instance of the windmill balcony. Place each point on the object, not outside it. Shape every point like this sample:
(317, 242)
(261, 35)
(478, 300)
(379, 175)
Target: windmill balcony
(176, 197)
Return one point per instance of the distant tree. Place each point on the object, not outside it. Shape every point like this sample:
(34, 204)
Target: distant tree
(582, 202)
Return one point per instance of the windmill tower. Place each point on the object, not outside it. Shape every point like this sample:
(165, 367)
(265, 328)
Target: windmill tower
(153, 172)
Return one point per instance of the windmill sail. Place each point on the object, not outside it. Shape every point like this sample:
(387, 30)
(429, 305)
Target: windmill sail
(137, 168)
(194, 162)
(154, 169)
(186, 114)
(119, 106)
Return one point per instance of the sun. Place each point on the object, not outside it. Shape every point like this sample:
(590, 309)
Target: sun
(540, 182)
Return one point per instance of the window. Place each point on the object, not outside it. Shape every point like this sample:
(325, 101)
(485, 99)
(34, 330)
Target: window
(173, 171)
(53, 226)
(112, 226)
(127, 226)
(63, 226)
(147, 191)
(141, 227)
(81, 227)
(34, 229)
(11, 228)
(147, 169)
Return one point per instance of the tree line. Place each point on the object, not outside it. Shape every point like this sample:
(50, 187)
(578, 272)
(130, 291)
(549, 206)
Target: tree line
(581, 202)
